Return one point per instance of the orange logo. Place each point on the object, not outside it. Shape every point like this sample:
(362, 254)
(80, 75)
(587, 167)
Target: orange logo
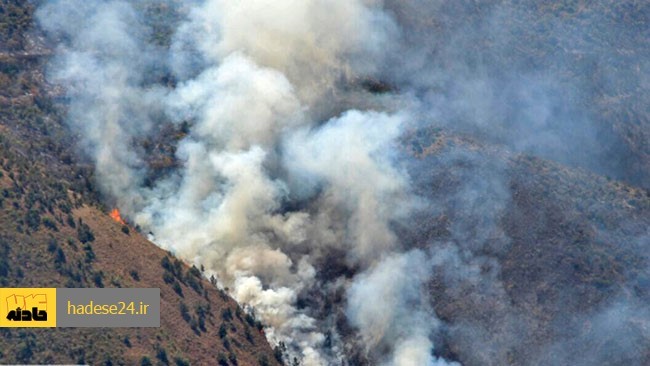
(28, 307)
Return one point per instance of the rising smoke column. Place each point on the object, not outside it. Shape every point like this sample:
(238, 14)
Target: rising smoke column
(285, 166)
(387, 303)
(258, 84)
(102, 67)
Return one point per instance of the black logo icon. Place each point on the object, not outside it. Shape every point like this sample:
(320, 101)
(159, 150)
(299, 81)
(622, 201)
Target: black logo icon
(27, 316)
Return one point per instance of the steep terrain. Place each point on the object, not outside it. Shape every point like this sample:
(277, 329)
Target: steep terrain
(552, 264)
(528, 157)
(55, 233)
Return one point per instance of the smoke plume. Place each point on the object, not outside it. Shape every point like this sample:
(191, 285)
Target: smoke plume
(292, 184)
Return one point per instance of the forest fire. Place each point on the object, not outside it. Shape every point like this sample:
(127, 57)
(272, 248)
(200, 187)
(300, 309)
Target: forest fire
(115, 214)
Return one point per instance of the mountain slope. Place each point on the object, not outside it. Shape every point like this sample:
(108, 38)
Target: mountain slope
(47, 258)
(51, 238)
(549, 264)
(55, 233)
(534, 256)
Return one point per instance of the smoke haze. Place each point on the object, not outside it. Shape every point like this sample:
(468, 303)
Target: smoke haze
(293, 185)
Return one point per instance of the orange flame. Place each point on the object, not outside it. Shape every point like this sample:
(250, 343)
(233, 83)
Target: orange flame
(115, 214)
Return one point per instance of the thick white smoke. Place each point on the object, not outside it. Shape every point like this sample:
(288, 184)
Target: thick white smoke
(102, 70)
(391, 308)
(314, 42)
(254, 80)
(289, 186)
(350, 157)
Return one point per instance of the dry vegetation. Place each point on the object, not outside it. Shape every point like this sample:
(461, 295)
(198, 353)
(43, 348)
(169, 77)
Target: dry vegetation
(55, 233)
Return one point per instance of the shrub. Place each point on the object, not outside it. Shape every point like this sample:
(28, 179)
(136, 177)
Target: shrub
(195, 272)
(195, 326)
(70, 221)
(178, 269)
(226, 314)
(249, 336)
(168, 277)
(166, 264)
(52, 245)
(50, 224)
(233, 359)
(24, 353)
(97, 279)
(84, 233)
(222, 360)
(33, 219)
(4, 268)
(90, 254)
(278, 352)
(194, 283)
(263, 360)
(185, 312)
(135, 275)
(202, 324)
(181, 362)
(177, 288)
(60, 257)
(250, 319)
(161, 355)
(65, 207)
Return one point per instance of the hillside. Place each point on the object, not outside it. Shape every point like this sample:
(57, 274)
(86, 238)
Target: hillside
(199, 323)
(55, 233)
(559, 252)
(392, 183)
(53, 237)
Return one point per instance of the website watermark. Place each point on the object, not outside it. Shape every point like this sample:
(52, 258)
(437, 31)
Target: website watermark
(79, 307)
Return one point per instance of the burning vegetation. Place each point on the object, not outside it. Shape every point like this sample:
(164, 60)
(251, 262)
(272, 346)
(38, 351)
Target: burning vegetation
(470, 252)
(115, 215)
